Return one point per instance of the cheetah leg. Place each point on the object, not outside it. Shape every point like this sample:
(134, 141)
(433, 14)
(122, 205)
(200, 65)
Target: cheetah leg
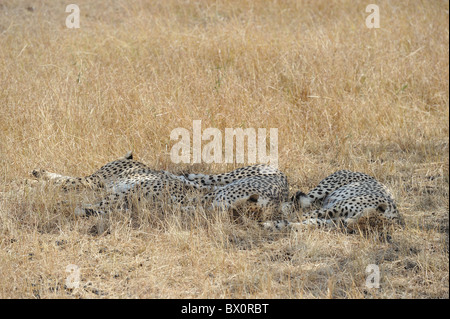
(47, 176)
(344, 213)
(68, 183)
(309, 223)
(111, 202)
(276, 225)
(315, 223)
(87, 210)
(125, 200)
(195, 184)
(319, 218)
(352, 222)
(369, 217)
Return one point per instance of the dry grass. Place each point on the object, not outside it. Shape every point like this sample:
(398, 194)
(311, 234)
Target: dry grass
(341, 96)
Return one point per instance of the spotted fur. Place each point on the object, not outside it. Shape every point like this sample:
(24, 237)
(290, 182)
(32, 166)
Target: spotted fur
(345, 198)
(258, 189)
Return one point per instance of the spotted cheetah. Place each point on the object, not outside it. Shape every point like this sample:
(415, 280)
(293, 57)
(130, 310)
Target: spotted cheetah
(124, 180)
(256, 189)
(346, 199)
(260, 189)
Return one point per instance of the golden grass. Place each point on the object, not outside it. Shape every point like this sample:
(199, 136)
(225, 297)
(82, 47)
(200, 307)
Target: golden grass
(340, 94)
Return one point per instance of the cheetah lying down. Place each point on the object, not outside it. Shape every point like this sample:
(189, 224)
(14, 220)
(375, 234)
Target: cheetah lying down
(348, 199)
(254, 188)
(345, 197)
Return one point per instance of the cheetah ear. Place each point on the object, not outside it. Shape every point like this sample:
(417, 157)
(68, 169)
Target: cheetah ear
(129, 155)
(301, 200)
(253, 198)
(297, 196)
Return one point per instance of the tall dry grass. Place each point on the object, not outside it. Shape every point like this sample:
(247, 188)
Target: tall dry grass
(340, 94)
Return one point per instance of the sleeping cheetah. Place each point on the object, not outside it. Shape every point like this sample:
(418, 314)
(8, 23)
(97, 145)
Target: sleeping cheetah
(347, 199)
(257, 189)
(122, 180)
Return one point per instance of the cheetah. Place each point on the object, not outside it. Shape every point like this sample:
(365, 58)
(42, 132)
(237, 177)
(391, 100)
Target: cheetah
(347, 199)
(122, 181)
(256, 189)
(262, 190)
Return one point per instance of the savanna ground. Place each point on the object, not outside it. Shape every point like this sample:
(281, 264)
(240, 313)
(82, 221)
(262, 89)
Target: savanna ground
(341, 95)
